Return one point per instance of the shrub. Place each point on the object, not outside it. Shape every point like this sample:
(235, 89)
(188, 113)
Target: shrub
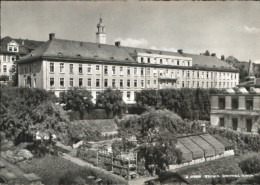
(250, 164)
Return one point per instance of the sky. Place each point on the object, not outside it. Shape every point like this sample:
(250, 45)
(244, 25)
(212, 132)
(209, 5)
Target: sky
(226, 28)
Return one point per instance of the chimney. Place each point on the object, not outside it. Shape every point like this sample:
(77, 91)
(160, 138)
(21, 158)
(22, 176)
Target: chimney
(203, 125)
(117, 43)
(213, 54)
(51, 36)
(180, 51)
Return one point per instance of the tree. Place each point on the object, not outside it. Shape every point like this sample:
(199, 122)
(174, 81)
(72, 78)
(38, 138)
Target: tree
(250, 164)
(207, 53)
(4, 78)
(111, 100)
(77, 99)
(14, 75)
(148, 98)
(156, 133)
(222, 57)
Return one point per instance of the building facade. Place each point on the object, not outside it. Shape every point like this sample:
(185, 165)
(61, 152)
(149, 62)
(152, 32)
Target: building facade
(60, 64)
(238, 109)
(12, 49)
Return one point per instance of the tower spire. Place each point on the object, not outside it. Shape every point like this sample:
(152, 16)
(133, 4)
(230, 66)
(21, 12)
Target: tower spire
(101, 34)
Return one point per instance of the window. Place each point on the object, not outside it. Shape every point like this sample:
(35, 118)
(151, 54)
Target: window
(148, 60)
(80, 68)
(188, 84)
(188, 74)
(97, 82)
(219, 84)
(154, 82)
(89, 82)
(34, 68)
(142, 71)
(4, 58)
(52, 67)
(113, 70)
(62, 82)
(207, 85)
(135, 71)
(193, 84)
(10, 48)
(80, 82)
(142, 60)
(142, 83)
(15, 48)
(135, 83)
(51, 82)
(89, 68)
(178, 62)
(121, 82)
(128, 71)
(148, 82)
(4, 68)
(249, 104)
(234, 123)
(113, 82)
(128, 95)
(71, 68)
(160, 61)
(221, 122)
(71, 82)
(249, 125)
(183, 73)
(105, 82)
(178, 73)
(97, 68)
(148, 71)
(198, 84)
(198, 74)
(13, 59)
(207, 75)
(105, 70)
(221, 103)
(61, 67)
(188, 63)
(128, 83)
(202, 75)
(121, 71)
(183, 84)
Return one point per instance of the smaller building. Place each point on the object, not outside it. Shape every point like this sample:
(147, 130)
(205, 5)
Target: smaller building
(237, 109)
(202, 147)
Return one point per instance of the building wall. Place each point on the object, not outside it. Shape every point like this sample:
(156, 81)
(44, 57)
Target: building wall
(243, 113)
(6, 63)
(134, 78)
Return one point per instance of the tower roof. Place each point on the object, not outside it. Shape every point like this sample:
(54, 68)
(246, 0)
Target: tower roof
(100, 24)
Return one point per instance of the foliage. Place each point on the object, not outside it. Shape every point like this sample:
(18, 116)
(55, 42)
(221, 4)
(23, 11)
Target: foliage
(4, 78)
(250, 164)
(24, 111)
(244, 142)
(123, 144)
(83, 130)
(111, 101)
(77, 99)
(156, 133)
(14, 75)
(191, 104)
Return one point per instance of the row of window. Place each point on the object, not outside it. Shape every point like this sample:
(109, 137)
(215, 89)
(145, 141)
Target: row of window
(8, 58)
(165, 61)
(98, 82)
(12, 48)
(249, 103)
(194, 84)
(249, 123)
(166, 72)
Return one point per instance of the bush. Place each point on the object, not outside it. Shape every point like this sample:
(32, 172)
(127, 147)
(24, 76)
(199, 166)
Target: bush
(250, 164)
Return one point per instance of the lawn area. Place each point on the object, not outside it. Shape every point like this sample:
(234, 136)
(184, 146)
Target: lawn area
(49, 168)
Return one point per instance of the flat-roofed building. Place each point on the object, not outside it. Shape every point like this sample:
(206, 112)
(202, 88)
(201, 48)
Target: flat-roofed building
(238, 109)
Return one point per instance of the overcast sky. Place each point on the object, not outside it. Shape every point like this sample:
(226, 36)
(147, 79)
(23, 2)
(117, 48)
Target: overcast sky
(229, 28)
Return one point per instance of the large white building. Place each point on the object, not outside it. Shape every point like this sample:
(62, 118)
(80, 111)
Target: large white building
(60, 64)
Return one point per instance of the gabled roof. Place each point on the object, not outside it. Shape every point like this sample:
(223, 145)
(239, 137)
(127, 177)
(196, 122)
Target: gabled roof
(64, 49)
(25, 45)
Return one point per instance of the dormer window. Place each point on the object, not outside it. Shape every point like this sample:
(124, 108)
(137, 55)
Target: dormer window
(12, 46)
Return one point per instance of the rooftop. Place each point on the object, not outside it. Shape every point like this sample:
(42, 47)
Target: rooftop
(81, 51)
(25, 45)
